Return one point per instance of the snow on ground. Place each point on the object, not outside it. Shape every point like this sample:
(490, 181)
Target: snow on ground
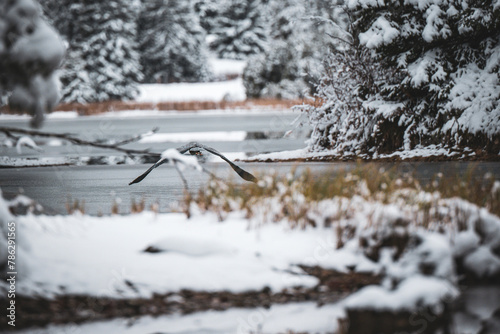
(301, 317)
(97, 256)
(225, 67)
(94, 256)
(412, 293)
(417, 152)
(183, 137)
(52, 115)
(142, 254)
(32, 162)
(231, 90)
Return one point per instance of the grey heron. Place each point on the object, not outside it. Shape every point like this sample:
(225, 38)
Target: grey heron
(194, 148)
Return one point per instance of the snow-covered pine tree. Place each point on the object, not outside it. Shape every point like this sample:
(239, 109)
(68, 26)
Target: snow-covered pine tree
(240, 29)
(56, 12)
(172, 42)
(208, 12)
(436, 83)
(341, 123)
(102, 62)
(74, 76)
(276, 71)
(290, 67)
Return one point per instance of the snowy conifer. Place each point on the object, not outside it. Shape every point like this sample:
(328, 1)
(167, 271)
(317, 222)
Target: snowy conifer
(208, 12)
(291, 65)
(240, 29)
(172, 42)
(56, 13)
(102, 62)
(435, 81)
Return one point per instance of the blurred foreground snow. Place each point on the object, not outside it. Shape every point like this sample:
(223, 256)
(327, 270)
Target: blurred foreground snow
(144, 254)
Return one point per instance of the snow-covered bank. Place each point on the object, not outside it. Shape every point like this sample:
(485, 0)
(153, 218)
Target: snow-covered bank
(53, 115)
(185, 137)
(420, 153)
(197, 253)
(231, 90)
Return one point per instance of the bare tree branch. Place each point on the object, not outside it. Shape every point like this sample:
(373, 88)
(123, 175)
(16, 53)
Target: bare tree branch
(192, 148)
(78, 141)
(134, 138)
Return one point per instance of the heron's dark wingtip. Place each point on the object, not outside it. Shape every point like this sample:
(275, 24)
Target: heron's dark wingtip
(136, 180)
(247, 176)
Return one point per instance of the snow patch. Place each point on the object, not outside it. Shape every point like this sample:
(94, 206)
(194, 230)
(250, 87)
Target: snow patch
(302, 317)
(380, 33)
(195, 136)
(223, 67)
(68, 248)
(232, 90)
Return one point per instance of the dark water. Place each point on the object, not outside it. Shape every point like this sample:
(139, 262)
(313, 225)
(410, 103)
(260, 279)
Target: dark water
(101, 186)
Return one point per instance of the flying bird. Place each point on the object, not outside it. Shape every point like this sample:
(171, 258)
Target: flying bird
(195, 149)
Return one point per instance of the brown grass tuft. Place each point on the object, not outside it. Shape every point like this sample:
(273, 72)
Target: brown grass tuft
(291, 196)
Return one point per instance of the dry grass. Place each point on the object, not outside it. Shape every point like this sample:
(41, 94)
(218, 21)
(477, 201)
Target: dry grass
(74, 206)
(137, 207)
(295, 193)
(483, 192)
(102, 107)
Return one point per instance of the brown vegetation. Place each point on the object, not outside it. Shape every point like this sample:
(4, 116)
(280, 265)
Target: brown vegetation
(102, 107)
(295, 193)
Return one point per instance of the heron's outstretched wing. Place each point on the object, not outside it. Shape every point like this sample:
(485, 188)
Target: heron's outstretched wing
(241, 172)
(143, 175)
